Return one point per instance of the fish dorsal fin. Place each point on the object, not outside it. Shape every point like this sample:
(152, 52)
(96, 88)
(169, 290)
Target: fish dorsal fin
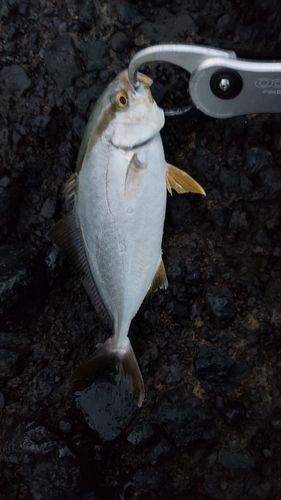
(181, 182)
(69, 189)
(68, 237)
(159, 281)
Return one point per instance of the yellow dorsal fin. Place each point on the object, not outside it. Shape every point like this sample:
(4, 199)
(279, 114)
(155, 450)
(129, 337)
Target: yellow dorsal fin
(159, 280)
(181, 182)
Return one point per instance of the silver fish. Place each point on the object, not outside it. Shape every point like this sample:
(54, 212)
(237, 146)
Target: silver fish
(114, 233)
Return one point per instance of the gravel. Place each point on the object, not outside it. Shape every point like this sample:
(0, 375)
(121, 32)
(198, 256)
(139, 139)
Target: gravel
(208, 345)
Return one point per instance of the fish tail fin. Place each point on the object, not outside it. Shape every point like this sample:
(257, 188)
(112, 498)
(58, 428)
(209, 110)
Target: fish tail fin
(108, 356)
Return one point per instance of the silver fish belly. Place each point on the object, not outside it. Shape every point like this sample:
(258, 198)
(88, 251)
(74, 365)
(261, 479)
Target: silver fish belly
(113, 235)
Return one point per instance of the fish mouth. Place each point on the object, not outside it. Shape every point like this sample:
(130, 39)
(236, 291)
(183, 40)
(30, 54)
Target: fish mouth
(135, 146)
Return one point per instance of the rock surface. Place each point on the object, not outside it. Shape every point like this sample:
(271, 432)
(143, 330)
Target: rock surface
(207, 346)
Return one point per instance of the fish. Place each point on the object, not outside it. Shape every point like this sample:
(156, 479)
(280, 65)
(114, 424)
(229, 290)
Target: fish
(113, 234)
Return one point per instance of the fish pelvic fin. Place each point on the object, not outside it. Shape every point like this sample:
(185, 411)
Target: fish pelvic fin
(159, 281)
(181, 182)
(108, 356)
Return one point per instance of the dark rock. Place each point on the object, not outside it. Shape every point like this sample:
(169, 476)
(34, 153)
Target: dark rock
(48, 208)
(177, 210)
(229, 179)
(238, 222)
(185, 419)
(94, 55)
(220, 217)
(46, 462)
(246, 185)
(15, 79)
(9, 363)
(221, 306)
(147, 483)
(211, 272)
(272, 180)
(42, 126)
(2, 401)
(62, 61)
(42, 384)
(193, 275)
(120, 42)
(12, 7)
(10, 201)
(65, 425)
(218, 370)
(79, 125)
(141, 434)
(225, 23)
(258, 160)
(125, 12)
(160, 453)
(106, 405)
(87, 14)
(173, 270)
(236, 463)
(23, 282)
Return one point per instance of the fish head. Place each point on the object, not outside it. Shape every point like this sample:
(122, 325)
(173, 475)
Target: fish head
(136, 118)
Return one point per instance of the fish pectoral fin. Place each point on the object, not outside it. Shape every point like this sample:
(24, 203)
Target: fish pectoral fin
(181, 182)
(69, 189)
(68, 237)
(108, 356)
(159, 281)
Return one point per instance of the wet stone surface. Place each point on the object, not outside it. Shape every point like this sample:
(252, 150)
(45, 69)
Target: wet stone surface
(208, 346)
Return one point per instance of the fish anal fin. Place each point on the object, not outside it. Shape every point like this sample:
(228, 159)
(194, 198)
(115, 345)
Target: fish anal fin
(108, 356)
(159, 281)
(69, 189)
(181, 182)
(67, 235)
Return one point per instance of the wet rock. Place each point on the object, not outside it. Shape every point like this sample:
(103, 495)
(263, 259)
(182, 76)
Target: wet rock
(236, 463)
(65, 425)
(106, 405)
(217, 369)
(45, 461)
(258, 160)
(62, 61)
(94, 55)
(221, 306)
(15, 79)
(23, 282)
(185, 419)
(119, 42)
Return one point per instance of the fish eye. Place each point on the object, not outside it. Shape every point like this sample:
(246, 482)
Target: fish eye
(121, 100)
